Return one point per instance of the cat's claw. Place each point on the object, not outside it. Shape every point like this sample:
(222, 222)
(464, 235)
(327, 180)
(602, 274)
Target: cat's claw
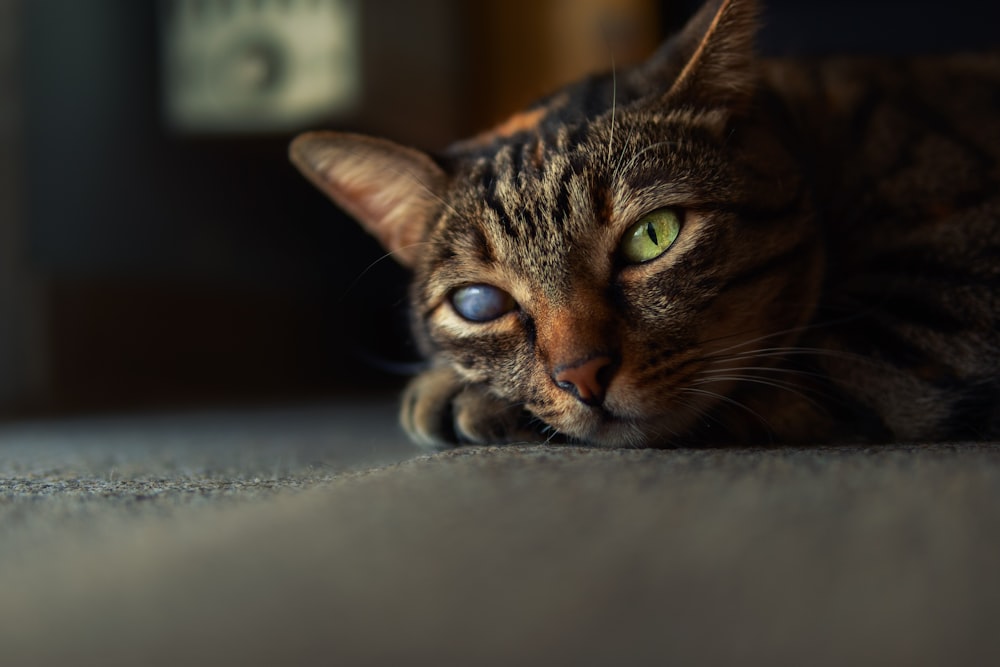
(440, 411)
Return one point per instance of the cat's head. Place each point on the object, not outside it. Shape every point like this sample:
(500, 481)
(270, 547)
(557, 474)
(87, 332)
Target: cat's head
(611, 257)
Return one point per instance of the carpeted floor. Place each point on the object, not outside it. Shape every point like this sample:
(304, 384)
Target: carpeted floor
(318, 536)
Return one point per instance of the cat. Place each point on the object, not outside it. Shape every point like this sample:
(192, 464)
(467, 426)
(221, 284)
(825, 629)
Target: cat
(706, 248)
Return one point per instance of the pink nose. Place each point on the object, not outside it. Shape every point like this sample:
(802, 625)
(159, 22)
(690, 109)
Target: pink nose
(587, 380)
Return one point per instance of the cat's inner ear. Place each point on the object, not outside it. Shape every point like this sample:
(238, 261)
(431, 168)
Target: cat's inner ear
(711, 61)
(390, 189)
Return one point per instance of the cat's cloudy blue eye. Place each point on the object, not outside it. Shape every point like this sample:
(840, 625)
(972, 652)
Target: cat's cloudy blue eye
(481, 303)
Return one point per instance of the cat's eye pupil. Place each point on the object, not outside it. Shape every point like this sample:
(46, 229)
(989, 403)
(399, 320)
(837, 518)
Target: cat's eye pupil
(481, 303)
(651, 231)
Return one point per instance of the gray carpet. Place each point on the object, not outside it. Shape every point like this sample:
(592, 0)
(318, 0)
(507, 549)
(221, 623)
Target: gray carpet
(317, 536)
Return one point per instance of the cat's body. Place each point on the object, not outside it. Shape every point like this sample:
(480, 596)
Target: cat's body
(703, 249)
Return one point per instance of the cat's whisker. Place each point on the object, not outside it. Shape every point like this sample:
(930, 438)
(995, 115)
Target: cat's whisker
(389, 255)
(751, 341)
(814, 385)
(778, 370)
(623, 155)
(614, 104)
(731, 402)
(552, 436)
(802, 390)
(700, 411)
(854, 315)
(734, 353)
(774, 373)
(737, 375)
(782, 352)
(633, 437)
(690, 406)
(784, 386)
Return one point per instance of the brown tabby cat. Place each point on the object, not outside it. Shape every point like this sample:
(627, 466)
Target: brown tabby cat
(707, 248)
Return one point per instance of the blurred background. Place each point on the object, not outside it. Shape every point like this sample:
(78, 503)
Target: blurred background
(157, 249)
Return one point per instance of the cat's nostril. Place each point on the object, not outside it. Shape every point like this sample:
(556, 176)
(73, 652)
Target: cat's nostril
(587, 380)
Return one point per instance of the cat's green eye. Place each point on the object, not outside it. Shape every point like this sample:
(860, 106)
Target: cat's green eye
(651, 236)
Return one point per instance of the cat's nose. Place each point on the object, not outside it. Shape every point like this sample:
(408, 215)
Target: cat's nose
(587, 379)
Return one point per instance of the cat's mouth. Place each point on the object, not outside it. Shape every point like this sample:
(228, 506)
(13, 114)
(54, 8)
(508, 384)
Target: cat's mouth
(628, 423)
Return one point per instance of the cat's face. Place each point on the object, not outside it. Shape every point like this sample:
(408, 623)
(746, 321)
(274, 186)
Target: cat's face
(609, 269)
(611, 282)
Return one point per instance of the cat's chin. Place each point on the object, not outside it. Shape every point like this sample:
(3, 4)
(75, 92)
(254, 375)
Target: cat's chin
(604, 429)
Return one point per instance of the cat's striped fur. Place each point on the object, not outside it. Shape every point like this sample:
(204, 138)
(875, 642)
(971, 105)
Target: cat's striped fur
(835, 276)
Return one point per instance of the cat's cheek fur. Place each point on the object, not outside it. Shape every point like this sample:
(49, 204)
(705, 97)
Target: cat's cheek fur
(648, 402)
(475, 351)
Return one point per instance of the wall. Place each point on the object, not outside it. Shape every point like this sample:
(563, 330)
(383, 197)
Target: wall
(22, 345)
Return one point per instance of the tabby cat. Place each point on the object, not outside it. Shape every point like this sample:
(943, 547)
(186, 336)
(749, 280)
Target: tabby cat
(705, 248)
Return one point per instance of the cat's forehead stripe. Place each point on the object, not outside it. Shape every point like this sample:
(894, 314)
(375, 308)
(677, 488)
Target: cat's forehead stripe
(527, 121)
(513, 192)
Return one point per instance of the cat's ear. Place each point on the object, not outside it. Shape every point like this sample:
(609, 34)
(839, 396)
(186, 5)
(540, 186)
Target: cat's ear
(711, 61)
(390, 189)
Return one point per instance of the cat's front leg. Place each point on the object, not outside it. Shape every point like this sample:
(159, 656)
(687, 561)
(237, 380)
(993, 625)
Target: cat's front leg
(440, 410)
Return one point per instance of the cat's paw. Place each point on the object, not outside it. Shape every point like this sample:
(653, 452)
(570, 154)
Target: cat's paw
(440, 411)
(481, 418)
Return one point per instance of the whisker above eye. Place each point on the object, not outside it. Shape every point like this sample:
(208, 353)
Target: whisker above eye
(637, 155)
(614, 104)
(617, 171)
